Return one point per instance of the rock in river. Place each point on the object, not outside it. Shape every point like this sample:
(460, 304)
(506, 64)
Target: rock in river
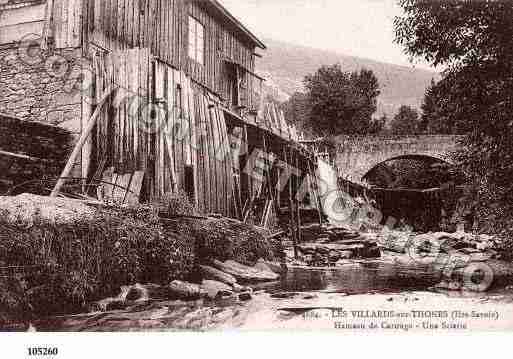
(186, 291)
(244, 273)
(212, 273)
(213, 288)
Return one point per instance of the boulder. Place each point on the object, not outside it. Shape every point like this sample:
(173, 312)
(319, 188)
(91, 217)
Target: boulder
(245, 297)
(327, 248)
(144, 292)
(244, 273)
(237, 288)
(346, 254)
(187, 291)
(278, 268)
(213, 288)
(116, 305)
(212, 273)
(285, 295)
(225, 299)
(137, 292)
(324, 239)
(263, 266)
(334, 256)
(275, 267)
(129, 296)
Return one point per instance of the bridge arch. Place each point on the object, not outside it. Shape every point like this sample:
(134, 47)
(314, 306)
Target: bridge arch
(412, 171)
(358, 155)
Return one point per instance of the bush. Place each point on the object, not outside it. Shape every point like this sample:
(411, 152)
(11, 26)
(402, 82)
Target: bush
(175, 205)
(59, 269)
(225, 239)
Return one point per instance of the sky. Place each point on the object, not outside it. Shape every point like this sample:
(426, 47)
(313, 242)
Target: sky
(362, 28)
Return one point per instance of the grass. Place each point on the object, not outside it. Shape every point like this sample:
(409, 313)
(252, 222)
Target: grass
(60, 269)
(48, 269)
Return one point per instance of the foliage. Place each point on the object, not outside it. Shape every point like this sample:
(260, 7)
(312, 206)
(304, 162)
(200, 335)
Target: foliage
(406, 122)
(474, 41)
(58, 269)
(419, 173)
(341, 102)
(225, 239)
(296, 111)
(431, 120)
(378, 126)
(175, 204)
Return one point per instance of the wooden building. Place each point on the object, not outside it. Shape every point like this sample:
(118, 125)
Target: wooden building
(171, 85)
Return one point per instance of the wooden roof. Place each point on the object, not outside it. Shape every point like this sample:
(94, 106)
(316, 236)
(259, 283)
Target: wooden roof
(223, 12)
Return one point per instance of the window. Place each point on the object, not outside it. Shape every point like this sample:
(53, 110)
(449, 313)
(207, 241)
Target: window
(196, 41)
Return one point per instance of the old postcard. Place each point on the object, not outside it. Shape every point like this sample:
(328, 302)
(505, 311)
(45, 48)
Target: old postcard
(255, 165)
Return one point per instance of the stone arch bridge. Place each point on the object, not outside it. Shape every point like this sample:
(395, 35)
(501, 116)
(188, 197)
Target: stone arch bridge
(358, 155)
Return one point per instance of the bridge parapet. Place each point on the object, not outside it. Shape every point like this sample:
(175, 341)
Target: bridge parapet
(357, 155)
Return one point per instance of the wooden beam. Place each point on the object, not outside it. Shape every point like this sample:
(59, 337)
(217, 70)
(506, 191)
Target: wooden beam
(78, 147)
(20, 156)
(298, 208)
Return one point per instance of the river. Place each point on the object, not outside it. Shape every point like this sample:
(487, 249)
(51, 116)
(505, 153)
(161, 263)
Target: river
(296, 301)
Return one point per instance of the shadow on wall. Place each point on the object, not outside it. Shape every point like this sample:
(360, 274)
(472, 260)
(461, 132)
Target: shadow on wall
(31, 152)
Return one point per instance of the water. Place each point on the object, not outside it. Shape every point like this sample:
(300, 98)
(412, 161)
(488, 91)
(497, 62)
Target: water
(366, 277)
(356, 278)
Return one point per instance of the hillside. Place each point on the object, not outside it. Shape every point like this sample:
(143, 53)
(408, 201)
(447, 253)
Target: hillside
(285, 65)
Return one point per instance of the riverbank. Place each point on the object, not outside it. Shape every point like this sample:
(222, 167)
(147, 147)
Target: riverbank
(57, 256)
(224, 278)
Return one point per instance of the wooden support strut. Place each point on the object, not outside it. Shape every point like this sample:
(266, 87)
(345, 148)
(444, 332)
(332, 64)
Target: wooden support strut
(298, 207)
(314, 189)
(289, 161)
(78, 147)
(272, 203)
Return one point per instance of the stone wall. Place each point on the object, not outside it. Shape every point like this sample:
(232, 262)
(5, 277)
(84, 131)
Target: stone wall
(356, 156)
(37, 86)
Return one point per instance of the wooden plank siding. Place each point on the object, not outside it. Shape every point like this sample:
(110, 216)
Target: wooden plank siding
(222, 46)
(174, 118)
(162, 26)
(66, 23)
(125, 24)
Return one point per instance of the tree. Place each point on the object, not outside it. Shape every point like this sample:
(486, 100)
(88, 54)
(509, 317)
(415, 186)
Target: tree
(406, 122)
(430, 118)
(296, 111)
(474, 41)
(377, 126)
(341, 102)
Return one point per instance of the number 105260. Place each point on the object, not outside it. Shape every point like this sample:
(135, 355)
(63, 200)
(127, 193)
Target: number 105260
(40, 352)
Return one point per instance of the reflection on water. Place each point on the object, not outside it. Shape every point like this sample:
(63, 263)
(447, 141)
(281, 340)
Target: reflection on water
(357, 278)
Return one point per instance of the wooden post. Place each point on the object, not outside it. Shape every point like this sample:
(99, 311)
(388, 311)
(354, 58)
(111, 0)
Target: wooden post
(314, 188)
(78, 147)
(269, 178)
(298, 207)
(290, 161)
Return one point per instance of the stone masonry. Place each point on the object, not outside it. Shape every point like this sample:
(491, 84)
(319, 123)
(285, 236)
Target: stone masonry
(41, 87)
